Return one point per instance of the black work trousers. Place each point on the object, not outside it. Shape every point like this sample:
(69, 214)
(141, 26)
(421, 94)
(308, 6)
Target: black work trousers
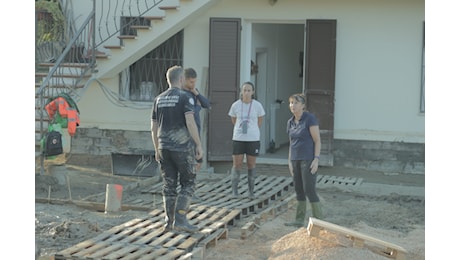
(304, 181)
(178, 166)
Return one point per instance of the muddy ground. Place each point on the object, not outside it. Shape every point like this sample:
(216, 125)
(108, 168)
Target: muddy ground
(394, 217)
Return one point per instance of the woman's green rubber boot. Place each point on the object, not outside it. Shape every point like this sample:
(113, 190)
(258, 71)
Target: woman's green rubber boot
(316, 210)
(299, 215)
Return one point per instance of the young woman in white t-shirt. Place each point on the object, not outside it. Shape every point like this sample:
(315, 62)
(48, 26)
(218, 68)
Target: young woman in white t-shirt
(247, 115)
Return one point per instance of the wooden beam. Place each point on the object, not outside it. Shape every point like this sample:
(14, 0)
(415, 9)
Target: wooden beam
(359, 239)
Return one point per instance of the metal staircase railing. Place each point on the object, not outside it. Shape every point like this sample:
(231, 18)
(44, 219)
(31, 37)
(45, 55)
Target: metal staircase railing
(69, 72)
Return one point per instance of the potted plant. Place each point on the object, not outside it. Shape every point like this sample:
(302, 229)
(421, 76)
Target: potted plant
(50, 21)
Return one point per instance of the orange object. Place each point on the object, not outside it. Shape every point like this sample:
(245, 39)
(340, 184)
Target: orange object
(61, 106)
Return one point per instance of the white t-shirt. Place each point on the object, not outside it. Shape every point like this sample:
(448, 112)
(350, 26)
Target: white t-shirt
(246, 119)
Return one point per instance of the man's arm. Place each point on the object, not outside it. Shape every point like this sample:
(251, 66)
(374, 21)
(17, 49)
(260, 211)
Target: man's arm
(193, 130)
(154, 130)
(204, 102)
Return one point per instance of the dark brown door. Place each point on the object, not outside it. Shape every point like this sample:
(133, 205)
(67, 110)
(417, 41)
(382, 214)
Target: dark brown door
(320, 80)
(224, 78)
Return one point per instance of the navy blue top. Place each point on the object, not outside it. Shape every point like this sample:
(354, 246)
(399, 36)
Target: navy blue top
(169, 110)
(204, 104)
(301, 144)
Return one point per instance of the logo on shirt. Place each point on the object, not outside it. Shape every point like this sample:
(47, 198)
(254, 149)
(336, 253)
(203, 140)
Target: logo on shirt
(168, 101)
(191, 101)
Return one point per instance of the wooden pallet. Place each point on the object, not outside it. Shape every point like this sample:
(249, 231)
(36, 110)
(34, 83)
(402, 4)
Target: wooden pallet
(270, 212)
(338, 180)
(144, 238)
(358, 239)
(267, 189)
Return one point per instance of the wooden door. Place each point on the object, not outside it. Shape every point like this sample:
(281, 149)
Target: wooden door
(224, 80)
(319, 76)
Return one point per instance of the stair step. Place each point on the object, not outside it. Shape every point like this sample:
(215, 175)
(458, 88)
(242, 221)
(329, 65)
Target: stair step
(169, 7)
(114, 47)
(106, 56)
(59, 86)
(43, 74)
(67, 65)
(124, 37)
(154, 18)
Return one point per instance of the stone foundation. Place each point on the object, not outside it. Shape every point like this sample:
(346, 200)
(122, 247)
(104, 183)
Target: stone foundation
(93, 146)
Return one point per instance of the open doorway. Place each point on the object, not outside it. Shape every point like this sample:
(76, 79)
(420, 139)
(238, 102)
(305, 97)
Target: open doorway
(277, 51)
(290, 58)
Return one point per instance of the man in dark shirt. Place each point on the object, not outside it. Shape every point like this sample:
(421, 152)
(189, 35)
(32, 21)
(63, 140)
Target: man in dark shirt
(177, 146)
(200, 101)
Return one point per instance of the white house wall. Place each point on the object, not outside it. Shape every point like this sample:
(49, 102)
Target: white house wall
(378, 65)
(98, 111)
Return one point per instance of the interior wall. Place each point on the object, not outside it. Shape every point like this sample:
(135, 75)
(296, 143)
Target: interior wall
(263, 38)
(290, 44)
(282, 74)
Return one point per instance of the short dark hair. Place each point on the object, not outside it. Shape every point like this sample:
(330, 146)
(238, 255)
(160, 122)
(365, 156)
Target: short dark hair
(173, 74)
(190, 73)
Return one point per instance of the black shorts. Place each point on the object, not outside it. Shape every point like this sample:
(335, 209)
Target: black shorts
(249, 148)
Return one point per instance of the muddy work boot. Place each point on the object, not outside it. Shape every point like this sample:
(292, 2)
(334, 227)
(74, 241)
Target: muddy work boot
(169, 204)
(316, 210)
(181, 222)
(235, 180)
(299, 216)
(251, 181)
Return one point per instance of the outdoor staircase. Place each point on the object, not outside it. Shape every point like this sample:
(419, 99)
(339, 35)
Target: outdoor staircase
(111, 58)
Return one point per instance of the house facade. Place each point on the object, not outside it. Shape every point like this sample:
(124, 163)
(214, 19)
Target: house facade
(360, 63)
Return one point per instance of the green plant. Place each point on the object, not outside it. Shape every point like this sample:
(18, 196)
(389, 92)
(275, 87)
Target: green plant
(50, 21)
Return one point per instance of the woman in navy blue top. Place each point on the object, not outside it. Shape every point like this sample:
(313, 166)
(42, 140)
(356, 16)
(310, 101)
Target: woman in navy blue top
(304, 151)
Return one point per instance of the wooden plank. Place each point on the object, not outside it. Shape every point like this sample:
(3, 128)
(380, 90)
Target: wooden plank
(212, 239)
(197, 253)
(172, 254)
(189, 243)
(103, 252)
(83, 249)
(359, 239)
(247, 229)
(162, 239)
(141, 251)
(125, 250)
(174, 241)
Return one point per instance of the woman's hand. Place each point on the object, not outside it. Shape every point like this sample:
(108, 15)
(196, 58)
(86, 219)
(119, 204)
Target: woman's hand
(314, 166)
(291, 169)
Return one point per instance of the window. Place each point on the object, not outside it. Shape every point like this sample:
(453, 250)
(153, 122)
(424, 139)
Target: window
(146, 78)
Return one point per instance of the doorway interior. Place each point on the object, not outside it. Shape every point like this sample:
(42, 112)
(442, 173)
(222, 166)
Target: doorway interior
(277, 51)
